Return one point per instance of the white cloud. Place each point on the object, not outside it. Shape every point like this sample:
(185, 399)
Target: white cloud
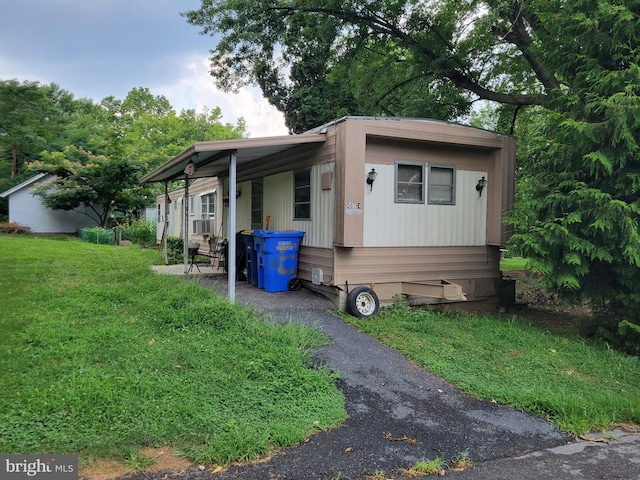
(195, 90)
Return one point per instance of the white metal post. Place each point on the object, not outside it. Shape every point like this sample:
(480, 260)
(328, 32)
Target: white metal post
(231, 280)
(185, 208)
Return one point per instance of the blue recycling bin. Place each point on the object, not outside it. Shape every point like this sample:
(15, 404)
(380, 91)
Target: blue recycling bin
(277, 258)
(252, 260)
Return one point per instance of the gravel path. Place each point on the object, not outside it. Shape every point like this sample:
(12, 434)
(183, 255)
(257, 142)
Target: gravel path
(398, 412)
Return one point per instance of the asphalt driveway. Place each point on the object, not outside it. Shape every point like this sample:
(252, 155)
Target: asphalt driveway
(400, 413)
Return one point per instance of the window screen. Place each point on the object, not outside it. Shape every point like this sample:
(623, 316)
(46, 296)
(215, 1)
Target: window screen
(256, 203)
(302, 195)
(442, 185)
(208, 206)
(409, 182)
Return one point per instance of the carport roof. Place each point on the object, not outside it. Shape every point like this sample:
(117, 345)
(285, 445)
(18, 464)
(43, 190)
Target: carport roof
(212, 158)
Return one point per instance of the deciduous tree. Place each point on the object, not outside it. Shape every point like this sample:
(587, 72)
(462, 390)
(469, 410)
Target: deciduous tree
(569, 68)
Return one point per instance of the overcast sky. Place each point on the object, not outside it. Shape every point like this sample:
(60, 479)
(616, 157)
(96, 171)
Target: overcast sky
(100, 48)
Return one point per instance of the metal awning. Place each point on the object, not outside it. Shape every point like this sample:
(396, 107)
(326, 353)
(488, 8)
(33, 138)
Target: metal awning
(222, 159)
(211, 159)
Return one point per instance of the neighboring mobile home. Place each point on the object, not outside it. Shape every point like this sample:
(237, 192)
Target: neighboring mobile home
(26, 208)
(388, 206)
(203, 223)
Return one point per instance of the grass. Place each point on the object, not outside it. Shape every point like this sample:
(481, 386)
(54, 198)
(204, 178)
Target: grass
(436, 466)
(511, 264)
(102, 357)
(578, 386)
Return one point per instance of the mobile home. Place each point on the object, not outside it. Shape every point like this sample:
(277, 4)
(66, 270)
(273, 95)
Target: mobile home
(202, 220)
(388, 206)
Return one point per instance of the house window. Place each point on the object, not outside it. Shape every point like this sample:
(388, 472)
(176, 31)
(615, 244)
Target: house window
(409, 182)
(302, 194)
(208, 208)
(192, 205)
(256, 203)
(442, 185)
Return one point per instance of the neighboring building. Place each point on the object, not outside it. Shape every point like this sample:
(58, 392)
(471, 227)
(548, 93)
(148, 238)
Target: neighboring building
(428, 226)
(27, 209)
(205, 195)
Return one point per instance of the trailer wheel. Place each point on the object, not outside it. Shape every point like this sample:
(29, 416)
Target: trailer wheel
(363, 302)
(294, 284)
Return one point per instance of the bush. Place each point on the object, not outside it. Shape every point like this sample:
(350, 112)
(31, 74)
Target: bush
(140, 232)
(175, 250)
(97, 235)
(13, 227)
(623, 335)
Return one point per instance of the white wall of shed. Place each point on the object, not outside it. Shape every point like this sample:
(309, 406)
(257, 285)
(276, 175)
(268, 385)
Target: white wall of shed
(27, 209)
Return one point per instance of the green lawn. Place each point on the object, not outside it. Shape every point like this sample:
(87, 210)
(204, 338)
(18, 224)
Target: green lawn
(510, 264)
(578, 386)
(100, 356)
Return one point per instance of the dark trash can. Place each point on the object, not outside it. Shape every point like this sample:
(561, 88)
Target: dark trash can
(252, 260)
(241, 257)
(277, 259)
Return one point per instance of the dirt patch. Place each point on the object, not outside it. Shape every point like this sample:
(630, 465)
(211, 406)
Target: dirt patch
(544, 309)
(163, 458)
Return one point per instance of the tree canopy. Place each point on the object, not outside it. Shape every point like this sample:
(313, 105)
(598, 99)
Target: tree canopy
(97, 151)
(563, 75)
(405, 57)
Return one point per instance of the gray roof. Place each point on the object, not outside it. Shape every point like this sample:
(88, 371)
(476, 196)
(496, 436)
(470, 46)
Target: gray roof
(24, 184)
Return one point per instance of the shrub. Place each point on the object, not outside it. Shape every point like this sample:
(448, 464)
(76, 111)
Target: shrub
(175, 250)
(141, 232)
(14, 227)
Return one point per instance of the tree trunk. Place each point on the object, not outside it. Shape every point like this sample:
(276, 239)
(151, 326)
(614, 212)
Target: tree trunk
(14, 160)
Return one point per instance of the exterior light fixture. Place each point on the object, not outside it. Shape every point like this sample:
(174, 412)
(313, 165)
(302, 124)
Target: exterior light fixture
(371, 177)
(481, 184)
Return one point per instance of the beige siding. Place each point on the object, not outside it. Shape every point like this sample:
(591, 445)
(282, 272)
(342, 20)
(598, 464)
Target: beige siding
(278, 200)
(387, 223)
(278, 204)
(243, 208)
(472, 267)
(319, 232)
(310, 258)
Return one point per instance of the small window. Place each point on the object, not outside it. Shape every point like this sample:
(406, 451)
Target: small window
(409, 182)
(192, 205)
(442, 185)
(302, 195)
(208, 208)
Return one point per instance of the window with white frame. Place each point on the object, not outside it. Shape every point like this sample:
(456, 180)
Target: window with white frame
(208, 206)
(302, 194)
(192, 205)
(409, 182)
(442, 185)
